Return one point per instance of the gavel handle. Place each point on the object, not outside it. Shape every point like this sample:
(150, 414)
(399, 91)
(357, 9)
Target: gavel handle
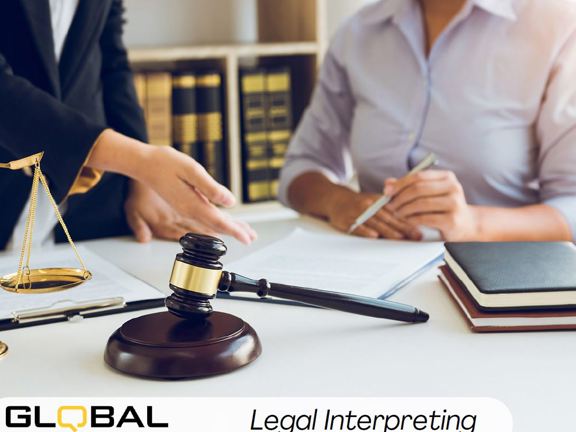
(231, 282)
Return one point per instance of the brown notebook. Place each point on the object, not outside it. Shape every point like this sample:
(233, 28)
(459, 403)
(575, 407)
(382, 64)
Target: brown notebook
(510, 321)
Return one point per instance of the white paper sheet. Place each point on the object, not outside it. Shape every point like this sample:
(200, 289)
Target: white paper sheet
(108, 282)
(340, 263)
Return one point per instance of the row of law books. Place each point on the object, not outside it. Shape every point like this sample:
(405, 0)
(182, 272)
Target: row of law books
(184, 109)
(267, 125)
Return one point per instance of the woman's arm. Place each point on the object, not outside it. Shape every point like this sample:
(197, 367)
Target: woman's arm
(33, 121)
(538, 222)
(148, 214)
(436, 199)
(182, 182)
(318, 158)
(313, 193)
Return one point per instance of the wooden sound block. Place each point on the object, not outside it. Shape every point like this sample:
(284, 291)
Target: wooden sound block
(164, 346)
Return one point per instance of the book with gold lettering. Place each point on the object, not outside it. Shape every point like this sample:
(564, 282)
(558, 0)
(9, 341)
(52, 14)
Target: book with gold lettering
(140, 86)
(278, 90)
(255, 155)
(159, 108)
(184, 115)
(211, 134)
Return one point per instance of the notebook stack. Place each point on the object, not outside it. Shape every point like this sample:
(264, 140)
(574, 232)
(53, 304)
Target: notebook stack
(513, 286)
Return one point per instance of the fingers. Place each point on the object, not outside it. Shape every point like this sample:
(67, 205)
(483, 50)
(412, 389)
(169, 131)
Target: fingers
(180, 209)
(189, 225)
(364, 231)
(443, 204)
(395, 187)
(198, 178)
(389, 186)
(384, 230)
(438, 221)
(386, 225)
(232, 228)
(246, 227)
(405, 229)
(139, 227)
(169, 231)
(419, 191)
(214, 219)
(190, 203)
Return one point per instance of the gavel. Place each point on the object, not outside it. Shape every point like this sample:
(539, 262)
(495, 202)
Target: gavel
(190, 340)
(198, 275)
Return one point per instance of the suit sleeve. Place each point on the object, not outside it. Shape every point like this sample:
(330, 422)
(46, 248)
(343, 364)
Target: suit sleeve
(32, 121)
(123, 112)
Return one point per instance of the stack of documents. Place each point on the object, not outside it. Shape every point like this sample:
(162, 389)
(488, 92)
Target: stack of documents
(341, 263)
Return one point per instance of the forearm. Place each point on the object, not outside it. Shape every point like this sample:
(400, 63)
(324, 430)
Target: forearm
(530, 223)
(117, 153)
(314, 194)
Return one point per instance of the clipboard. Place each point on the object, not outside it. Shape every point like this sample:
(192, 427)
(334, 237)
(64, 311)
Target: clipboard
(111, 291)
(73, 314)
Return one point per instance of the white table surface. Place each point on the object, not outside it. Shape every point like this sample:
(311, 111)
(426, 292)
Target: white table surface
(311, 352)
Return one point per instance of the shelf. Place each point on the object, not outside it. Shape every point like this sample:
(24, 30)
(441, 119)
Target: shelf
(202, 52)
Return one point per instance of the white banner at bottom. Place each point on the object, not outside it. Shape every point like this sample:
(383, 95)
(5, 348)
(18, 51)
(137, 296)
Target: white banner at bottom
(255, 414)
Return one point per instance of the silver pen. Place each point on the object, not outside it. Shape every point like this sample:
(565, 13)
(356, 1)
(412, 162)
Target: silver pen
(426, 163)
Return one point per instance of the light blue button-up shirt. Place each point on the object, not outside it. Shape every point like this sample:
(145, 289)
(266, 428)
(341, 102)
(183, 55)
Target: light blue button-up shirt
(495, 99)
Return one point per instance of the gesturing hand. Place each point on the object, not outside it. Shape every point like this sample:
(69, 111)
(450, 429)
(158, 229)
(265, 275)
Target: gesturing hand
(184, 185)
(185, 191)
(347, 206)
(434, 199)
(148, 216)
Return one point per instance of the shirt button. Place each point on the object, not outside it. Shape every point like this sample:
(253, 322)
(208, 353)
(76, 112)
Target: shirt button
(411, 136)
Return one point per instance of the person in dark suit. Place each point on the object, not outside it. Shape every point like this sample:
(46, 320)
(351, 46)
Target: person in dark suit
(66, 89)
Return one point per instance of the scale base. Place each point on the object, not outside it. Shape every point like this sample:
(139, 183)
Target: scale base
(163, 346)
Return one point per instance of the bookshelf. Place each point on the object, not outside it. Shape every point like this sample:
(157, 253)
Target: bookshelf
(290, 33)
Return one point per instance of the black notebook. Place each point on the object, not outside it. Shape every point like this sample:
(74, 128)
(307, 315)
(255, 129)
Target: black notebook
(515, 275)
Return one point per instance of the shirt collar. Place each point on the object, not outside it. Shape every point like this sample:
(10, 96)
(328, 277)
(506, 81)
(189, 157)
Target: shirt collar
(388, 9)
(501, 8)
(393, 9)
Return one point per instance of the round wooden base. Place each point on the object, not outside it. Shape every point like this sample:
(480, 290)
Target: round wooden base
(164, 346)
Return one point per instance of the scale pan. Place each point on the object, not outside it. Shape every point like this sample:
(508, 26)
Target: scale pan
(46, 280)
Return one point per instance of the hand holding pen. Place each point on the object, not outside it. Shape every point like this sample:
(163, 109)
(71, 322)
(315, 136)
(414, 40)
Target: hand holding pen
(436, 199)
(371, 211)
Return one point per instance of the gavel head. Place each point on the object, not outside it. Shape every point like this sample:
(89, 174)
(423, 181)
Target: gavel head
(195, 276)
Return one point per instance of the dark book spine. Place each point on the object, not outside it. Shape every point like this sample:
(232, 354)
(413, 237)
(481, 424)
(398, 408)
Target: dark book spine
(209, 94)
(278, 122)
(256, 183)
(184, 115)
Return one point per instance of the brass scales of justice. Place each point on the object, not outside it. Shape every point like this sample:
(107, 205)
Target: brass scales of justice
(40, 280)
